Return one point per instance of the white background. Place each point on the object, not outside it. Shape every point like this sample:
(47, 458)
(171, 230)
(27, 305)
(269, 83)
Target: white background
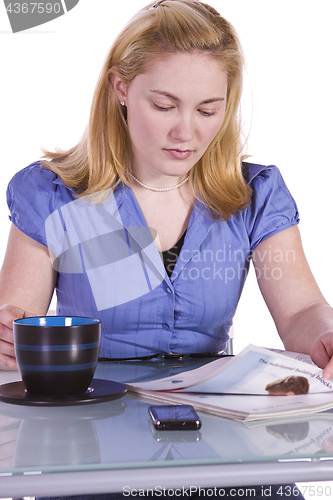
(48, 76)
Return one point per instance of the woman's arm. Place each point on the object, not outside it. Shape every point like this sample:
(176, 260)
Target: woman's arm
(27, 281)
(302, 316)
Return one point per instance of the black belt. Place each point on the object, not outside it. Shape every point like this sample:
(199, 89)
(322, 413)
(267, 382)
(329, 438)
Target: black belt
(173, 355)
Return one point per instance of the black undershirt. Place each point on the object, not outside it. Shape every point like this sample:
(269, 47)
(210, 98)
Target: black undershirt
(170, 256)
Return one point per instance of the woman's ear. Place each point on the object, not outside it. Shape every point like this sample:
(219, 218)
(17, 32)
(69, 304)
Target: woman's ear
(118, 85)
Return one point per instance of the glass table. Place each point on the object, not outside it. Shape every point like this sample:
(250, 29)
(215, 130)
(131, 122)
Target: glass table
(111, 446)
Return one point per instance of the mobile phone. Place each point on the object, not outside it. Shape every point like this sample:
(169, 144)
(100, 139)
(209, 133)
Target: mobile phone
(174, 417)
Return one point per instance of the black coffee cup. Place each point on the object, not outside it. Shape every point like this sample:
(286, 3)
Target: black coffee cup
(57, 355)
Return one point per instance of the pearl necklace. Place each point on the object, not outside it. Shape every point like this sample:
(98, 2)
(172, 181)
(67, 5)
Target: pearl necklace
(157, 189)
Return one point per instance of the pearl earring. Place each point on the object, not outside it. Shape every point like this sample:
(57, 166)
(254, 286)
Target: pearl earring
(122, 103)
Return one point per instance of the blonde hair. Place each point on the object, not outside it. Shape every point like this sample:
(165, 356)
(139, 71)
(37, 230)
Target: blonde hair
(100, 160)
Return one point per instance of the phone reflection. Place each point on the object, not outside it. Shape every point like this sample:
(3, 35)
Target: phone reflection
(174, 436)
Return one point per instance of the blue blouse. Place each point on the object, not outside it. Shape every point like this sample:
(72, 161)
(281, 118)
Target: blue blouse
(109, 267)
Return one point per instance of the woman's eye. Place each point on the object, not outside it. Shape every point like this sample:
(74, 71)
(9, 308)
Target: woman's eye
(162, 108)
(168, 108)
(207, 113)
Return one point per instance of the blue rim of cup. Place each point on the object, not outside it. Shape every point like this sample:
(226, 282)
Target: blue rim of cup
(56, 321)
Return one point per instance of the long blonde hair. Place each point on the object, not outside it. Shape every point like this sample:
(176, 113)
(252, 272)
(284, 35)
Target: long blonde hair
(100, 160)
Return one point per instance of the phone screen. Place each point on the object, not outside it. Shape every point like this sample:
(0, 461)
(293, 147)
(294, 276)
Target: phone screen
(174, 417)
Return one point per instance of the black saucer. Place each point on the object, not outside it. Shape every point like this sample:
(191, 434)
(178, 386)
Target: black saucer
(98, 392)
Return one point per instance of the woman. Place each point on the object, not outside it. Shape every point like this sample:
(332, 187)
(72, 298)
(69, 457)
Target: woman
(158, 173)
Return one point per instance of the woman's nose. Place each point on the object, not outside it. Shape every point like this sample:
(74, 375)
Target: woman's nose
(183, 129)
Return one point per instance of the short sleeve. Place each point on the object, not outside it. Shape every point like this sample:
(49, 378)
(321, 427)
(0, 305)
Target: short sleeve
(272, 207)
(31, 196)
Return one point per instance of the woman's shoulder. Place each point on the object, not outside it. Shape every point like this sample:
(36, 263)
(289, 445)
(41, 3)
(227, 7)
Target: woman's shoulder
(34, 174)
(33, 194)
(265, 181)
(255, 172)
(35, 184)
(272, 206)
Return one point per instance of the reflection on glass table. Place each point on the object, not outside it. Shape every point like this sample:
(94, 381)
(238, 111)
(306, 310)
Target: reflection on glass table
(118, 436)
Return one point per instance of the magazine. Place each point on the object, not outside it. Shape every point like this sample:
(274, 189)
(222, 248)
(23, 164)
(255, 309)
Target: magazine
(258, 383)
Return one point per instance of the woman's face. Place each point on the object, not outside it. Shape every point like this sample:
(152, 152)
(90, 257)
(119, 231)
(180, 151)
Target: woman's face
(174, 111)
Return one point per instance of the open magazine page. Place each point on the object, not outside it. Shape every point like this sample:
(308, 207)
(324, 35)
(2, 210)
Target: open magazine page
(306, 358)
(254, 370)
(245, 407)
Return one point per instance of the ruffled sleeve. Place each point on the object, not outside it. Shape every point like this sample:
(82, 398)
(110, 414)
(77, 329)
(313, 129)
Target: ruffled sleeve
(32, 194)
(272, 207)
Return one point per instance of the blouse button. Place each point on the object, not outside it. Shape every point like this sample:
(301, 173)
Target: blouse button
(169, 290)
(166, 326)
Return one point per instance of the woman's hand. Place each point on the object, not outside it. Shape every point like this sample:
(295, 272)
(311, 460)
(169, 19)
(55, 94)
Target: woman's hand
(322, 353)
(8, 314)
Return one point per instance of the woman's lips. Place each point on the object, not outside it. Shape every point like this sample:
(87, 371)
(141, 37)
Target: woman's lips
(179, 154)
